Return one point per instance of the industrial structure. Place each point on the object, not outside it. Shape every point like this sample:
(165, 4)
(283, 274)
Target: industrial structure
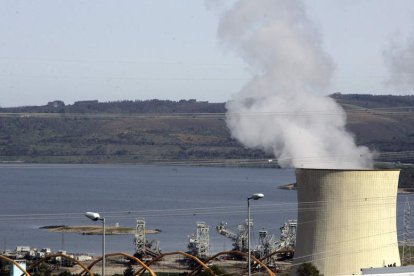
(269, 247)
(143, 248)
(266, 244)
(239, 239)
(346, 220)
(406, 252)
(287, 238)
(286, 243)
(139, 240)
(199, 243)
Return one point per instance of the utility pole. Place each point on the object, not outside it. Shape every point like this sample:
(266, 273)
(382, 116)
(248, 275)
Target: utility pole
(254, 197)
(95, 217)
(407, 225)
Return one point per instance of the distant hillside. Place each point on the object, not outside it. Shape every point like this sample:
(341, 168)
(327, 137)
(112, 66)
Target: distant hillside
(374, 101)
(124, 131)
(123, 107)
(383, 123)
(187, 131)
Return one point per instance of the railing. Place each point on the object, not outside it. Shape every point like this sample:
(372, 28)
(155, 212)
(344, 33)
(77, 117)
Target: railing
(145, 266)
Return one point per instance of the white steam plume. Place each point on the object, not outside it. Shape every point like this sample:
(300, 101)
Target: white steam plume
(282, 110)
(399, 58)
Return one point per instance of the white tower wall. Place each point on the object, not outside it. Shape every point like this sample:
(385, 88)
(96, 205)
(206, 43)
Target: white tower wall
(346, 219)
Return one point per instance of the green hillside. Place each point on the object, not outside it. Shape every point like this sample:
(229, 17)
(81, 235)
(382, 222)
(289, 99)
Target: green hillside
(189, 132)
(93, 132)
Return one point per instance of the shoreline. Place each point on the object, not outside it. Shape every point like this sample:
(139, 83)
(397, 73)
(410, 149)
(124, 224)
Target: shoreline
(292, 187)
(95, 230)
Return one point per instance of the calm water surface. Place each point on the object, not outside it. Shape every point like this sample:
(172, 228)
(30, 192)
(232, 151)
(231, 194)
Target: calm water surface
(170, 198)
(167, 195)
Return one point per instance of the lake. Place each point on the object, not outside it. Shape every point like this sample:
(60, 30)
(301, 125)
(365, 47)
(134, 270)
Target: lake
(170, 198)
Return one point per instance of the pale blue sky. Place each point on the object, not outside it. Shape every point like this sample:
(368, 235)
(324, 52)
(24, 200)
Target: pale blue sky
(142, 49)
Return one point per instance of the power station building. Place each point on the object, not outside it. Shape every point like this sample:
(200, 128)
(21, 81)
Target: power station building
(346, 220)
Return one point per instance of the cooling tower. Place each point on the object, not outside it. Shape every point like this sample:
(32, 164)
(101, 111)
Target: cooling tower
(346, 219)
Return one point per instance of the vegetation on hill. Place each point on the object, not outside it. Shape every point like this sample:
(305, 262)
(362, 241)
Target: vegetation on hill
(112, 137)
(382, 123)
(374, 101)
(123, 107)
(186, 131)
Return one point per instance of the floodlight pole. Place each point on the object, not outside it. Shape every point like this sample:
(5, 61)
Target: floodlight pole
(248, 237)
(103, 246)
(95, 216)
(254, 197)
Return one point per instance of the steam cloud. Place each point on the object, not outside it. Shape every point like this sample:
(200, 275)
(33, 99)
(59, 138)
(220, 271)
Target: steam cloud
(399, 58)
(282, 110)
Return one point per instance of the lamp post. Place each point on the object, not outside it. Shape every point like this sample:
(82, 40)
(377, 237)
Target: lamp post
(254, 197)
(95, 216)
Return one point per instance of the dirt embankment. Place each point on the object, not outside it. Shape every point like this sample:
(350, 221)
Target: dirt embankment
(96, 230)
(292, 186)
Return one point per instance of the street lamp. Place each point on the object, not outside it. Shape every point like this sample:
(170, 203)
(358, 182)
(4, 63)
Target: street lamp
(95, 217)
(254, 197)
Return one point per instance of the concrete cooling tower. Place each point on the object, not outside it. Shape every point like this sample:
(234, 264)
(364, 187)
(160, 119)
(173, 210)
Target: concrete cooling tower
(346, 220)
